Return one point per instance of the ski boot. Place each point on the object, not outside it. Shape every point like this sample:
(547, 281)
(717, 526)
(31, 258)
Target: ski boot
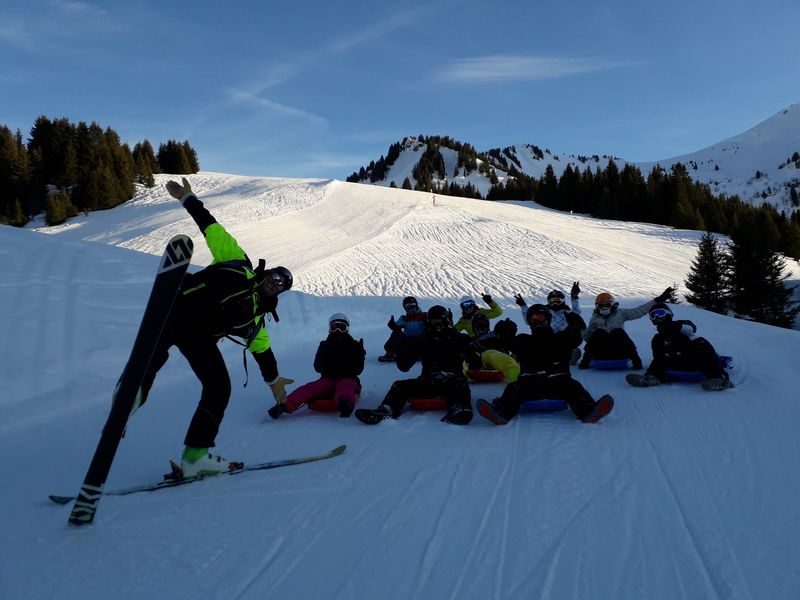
(601, 408)
(370, 416)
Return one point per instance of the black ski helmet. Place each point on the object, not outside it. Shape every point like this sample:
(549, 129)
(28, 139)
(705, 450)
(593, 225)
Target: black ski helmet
(280, 277)
(480, 324)
(410, 303)
(555, 298)
(538, 312)
(505, 329)
(438, 319)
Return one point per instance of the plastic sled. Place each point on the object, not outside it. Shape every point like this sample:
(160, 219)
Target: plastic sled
(543, 405)
(610, 364)
(327, 404)
(687, 376)
(485, 375)
(432, 403)
(726, 362)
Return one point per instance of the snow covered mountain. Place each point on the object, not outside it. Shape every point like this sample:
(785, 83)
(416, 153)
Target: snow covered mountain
(759, 165)
(678, 494)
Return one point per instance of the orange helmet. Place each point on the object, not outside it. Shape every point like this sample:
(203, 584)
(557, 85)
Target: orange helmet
(604, 297)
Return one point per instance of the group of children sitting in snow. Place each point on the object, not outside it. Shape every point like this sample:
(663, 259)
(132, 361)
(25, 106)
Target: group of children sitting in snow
(536, 364)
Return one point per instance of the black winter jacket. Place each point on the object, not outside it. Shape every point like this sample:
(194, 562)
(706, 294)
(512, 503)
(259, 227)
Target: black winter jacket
(442, 354)
(340, 356)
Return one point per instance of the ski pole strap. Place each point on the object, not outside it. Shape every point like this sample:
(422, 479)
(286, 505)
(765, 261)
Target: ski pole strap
(244, 357)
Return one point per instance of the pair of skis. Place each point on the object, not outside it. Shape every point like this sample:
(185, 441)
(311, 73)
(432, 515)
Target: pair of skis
(172, 268)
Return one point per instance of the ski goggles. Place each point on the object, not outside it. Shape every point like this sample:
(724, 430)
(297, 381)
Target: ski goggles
(279, 279)
(659, 314)
(410, 305)
(538, 318)
(604, 305)
(437, 323)
(555, 301)
(338, 326)
(468, 305)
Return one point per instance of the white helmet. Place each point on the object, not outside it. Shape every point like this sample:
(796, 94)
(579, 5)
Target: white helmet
(336, 320)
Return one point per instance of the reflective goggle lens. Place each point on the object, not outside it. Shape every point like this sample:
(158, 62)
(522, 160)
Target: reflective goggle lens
(467, 304)
(555, 301)
(658, 314)
(340, 326)
(437, 323)
(410, 305)
(538, 317)
(602, 305)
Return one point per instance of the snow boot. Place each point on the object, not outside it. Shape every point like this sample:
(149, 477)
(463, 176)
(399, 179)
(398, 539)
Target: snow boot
(277, 410)
(601, 408)
(716, 384)
(199, 462)
(345, 410)
(387, 358)
(489, 412)
(458, 415)
(370, 416)
(637, 380)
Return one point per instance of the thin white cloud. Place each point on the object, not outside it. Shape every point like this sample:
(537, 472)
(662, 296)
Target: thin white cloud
(249, 98)
(79, 8)
(520, 68)
(375, 31)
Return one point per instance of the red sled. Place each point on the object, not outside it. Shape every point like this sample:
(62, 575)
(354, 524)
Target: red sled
(432, 403)
(327, 404)
(485, 375)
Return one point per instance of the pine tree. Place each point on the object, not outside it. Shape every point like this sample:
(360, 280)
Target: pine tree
(708, 278)
(757, 273)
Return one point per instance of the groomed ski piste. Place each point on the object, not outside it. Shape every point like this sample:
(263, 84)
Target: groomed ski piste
(678, 494)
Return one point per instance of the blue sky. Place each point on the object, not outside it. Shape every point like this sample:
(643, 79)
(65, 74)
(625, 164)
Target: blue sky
(318, 89)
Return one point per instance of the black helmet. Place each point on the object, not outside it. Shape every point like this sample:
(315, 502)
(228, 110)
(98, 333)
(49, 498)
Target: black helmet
(279, 278)
(505, 329)
(538, 314)
(555, 298)
(410, 303)
(438, 319)
(480, 324)
(660, 313)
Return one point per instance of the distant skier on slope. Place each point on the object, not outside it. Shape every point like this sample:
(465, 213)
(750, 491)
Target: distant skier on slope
(469, 309)
(676, 349)
(339, 361)
(605, 335)
(544, 357)
(227, 298)
(442, 351)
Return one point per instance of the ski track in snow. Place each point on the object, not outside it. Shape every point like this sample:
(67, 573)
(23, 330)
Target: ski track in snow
(678, 494)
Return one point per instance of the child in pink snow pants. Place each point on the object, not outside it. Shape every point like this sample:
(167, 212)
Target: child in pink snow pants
(339, 361)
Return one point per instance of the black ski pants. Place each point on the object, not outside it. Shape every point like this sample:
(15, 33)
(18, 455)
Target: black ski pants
(610, 345)
(560, 386)
(208, 365)
(454, 390)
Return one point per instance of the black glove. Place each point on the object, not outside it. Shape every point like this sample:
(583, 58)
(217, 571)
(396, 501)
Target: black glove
(665, 295)
(361, 342)
(575, 291)
(393, 325)
(487, 298)
(450, 316)
(519, 300)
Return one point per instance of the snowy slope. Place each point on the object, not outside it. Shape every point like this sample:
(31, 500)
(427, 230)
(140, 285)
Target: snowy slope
(754, 165)
(677, 494)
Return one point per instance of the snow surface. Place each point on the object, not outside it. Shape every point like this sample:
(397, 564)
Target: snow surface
(677, 494)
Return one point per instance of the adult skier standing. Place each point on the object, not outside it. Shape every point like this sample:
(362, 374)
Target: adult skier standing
(228, 298)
